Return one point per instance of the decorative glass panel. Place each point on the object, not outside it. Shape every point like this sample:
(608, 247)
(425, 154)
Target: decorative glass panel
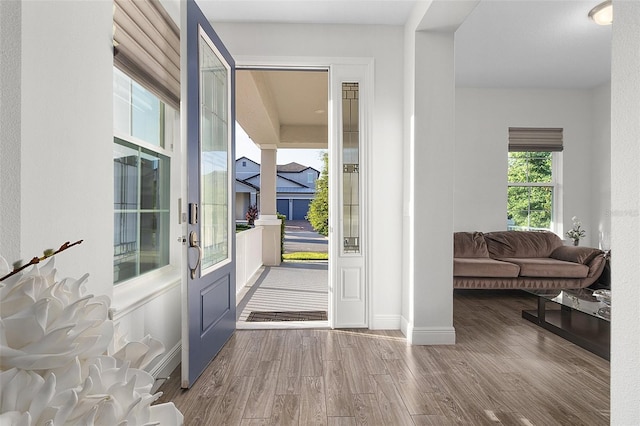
(214, 167)
(350, 168)
(141, 210)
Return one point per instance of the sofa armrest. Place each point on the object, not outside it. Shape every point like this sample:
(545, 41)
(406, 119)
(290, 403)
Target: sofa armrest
(596, 266)
(582, 255)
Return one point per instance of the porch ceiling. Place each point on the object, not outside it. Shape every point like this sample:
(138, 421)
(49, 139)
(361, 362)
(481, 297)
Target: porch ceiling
(283, 108)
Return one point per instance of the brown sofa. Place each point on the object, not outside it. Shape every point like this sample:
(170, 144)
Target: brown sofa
(522, 259)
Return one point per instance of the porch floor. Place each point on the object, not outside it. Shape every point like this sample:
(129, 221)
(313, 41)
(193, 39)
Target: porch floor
(292, 286)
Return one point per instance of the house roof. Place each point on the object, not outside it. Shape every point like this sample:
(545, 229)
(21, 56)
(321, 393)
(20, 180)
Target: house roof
(243, 158)
(291, 168)
(284, 188)
(257, 188)
(293, 181)
(292, 190)
(294, 168)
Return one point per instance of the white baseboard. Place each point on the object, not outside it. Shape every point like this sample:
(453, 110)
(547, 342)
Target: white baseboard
(428, 335)
(404, 326)
(385, 322)
(163, 369)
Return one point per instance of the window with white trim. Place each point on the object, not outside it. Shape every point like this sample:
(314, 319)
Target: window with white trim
(533, 178)
(530, 192)
(142, 155)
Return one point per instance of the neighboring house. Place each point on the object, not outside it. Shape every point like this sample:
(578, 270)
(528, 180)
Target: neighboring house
(295, 188)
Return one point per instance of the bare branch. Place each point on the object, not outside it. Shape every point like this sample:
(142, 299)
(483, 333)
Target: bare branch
(47, 254)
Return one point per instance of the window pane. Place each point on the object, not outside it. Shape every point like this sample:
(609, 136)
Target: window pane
(529, 207)
(529, 167)
(154, 233)
(125, 173)
(145, 115)
(214, 141)
(141, 210)
(154, 188)
(540, 205)
(121, 102)
(125, 246)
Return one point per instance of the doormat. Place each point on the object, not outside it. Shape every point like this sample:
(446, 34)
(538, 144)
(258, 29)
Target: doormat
(258, 316)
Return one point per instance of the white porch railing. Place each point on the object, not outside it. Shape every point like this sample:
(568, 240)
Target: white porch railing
(248, 255)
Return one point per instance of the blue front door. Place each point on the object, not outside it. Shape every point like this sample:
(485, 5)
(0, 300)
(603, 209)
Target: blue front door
(208, 105)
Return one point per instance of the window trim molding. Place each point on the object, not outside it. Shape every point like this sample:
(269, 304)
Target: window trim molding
(131, 293)
(137, 291)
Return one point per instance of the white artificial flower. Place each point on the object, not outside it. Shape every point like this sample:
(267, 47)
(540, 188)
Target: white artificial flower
(54, 366)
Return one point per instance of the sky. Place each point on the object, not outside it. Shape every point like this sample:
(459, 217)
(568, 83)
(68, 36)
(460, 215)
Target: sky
(307, 157)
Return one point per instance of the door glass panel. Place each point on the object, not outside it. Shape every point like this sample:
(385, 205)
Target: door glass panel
(214, 157)
(350, 168)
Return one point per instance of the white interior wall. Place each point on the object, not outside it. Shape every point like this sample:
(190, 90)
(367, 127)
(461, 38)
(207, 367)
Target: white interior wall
(10, 101)
(483, 118)
(625, 214)
(408, 223)
(601, 167)
(62, 153)
(385, 45)
(66, 137)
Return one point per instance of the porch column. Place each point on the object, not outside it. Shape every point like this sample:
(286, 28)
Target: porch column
(268, 218)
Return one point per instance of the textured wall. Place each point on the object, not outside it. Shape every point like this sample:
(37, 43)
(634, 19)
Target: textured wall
(10, 184)
(625, 214)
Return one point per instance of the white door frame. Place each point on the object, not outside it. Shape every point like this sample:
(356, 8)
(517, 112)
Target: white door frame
(349, 70)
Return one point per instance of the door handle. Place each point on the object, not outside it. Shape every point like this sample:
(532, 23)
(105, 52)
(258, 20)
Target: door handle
(193, 242)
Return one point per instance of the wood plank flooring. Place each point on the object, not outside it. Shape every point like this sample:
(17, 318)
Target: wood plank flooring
(502, 371)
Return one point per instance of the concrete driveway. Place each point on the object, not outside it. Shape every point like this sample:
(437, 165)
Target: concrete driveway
(300, 236)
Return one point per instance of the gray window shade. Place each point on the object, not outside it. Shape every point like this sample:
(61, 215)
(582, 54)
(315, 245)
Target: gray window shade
(534, 139)
(147, 47)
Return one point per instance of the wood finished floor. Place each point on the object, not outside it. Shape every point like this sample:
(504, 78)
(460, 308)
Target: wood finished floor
(502, 371)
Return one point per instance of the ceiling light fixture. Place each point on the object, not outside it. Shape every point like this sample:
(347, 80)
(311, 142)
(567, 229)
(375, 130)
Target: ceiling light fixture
(602, 14)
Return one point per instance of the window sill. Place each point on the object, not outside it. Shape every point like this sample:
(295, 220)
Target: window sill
(136, 292)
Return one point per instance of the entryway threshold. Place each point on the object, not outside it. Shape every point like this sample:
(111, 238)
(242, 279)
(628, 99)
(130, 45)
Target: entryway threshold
(280, 325)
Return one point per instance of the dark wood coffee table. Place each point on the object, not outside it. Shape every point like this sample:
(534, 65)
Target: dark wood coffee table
(575, 315)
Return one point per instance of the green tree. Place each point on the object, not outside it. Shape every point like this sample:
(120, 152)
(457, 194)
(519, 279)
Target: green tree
(530, 206)
(318, 214)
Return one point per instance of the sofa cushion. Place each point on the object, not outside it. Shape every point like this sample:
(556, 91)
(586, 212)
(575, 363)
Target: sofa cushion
(519, 244)
(469, 244)
(582, 255)
(548, 268)
(483, 267)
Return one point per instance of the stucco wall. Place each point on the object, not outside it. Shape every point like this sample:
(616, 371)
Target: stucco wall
(483, 118)
(385, 45)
